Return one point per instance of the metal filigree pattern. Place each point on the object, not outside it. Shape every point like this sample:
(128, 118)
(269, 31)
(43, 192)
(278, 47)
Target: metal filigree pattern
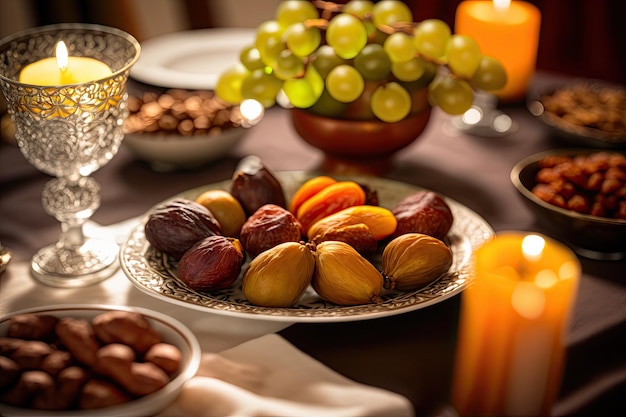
(155, 273)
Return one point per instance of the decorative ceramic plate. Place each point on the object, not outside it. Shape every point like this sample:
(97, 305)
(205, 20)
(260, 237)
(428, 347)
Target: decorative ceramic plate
(192, 59)
(155, 273)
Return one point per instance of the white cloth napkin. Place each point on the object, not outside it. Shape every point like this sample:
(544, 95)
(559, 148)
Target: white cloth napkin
(255, 373)
(268, 376)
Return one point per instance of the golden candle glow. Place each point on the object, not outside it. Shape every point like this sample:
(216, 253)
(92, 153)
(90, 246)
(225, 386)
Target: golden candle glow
(507, 30)
(514, 316)
(64, 69)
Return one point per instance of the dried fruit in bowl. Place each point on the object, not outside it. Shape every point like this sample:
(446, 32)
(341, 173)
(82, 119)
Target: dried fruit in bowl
(593, 184)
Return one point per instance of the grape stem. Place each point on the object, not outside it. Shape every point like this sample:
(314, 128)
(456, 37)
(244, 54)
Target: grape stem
(316, 23)
(406, 27)
(327, 8)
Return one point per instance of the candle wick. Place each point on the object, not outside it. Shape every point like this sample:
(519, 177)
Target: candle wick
(522, 270)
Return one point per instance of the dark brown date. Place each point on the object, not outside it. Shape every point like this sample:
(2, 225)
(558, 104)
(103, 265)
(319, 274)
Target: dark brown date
(175, 226)
(254, 185)
(32, 326)
(269, 226)
(128, 327)
(423, 212)
(212, 264)
(9, 372)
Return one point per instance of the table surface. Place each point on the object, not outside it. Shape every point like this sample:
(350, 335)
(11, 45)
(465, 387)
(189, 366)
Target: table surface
(410, 353)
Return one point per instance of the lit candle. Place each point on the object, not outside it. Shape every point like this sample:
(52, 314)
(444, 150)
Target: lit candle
(64, 69)
(507, 30)
(514, 317)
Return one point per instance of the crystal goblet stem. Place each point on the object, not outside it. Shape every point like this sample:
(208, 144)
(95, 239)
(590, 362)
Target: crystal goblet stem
(69, 131)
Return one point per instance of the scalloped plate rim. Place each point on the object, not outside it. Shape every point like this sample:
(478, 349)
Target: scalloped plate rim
(136, 246)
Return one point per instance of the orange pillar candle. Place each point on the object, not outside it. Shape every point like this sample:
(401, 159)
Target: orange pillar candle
(513, 322)
(507, 30)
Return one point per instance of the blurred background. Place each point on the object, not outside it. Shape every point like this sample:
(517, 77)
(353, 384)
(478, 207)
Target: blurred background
(583, 38)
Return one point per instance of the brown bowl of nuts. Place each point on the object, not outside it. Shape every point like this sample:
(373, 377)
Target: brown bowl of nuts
(181, 129)
(84, 360)
(589, 113)
(579, 196)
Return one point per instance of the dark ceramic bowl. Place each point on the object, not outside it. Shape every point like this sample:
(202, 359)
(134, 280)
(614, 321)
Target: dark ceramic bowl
(590, 236)
(554, 105)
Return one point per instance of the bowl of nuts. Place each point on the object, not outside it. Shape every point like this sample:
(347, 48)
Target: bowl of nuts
(589, 113)
(579, 195)
(181, 129)
(79, 360)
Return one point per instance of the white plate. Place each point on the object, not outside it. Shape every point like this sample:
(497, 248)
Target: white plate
(192, 59)
(155, 274)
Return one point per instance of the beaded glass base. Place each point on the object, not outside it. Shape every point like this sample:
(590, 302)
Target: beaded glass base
(69, 131)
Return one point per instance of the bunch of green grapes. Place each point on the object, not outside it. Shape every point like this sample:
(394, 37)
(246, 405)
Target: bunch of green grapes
(358, 50)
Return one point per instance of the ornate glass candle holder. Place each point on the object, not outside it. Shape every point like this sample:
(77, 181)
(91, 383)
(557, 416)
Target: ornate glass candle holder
(69, 129)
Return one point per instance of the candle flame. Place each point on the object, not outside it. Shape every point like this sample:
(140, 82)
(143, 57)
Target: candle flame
(62, 55)
(532, 247)
(501, 4)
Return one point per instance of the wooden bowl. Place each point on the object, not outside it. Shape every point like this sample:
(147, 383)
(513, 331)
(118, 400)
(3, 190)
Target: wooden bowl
(361, 146)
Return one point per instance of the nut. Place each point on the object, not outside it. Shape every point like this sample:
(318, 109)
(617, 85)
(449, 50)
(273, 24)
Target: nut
(180, 111)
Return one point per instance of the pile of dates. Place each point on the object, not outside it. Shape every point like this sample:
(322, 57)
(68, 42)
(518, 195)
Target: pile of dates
(68, 363)
(326, 237)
